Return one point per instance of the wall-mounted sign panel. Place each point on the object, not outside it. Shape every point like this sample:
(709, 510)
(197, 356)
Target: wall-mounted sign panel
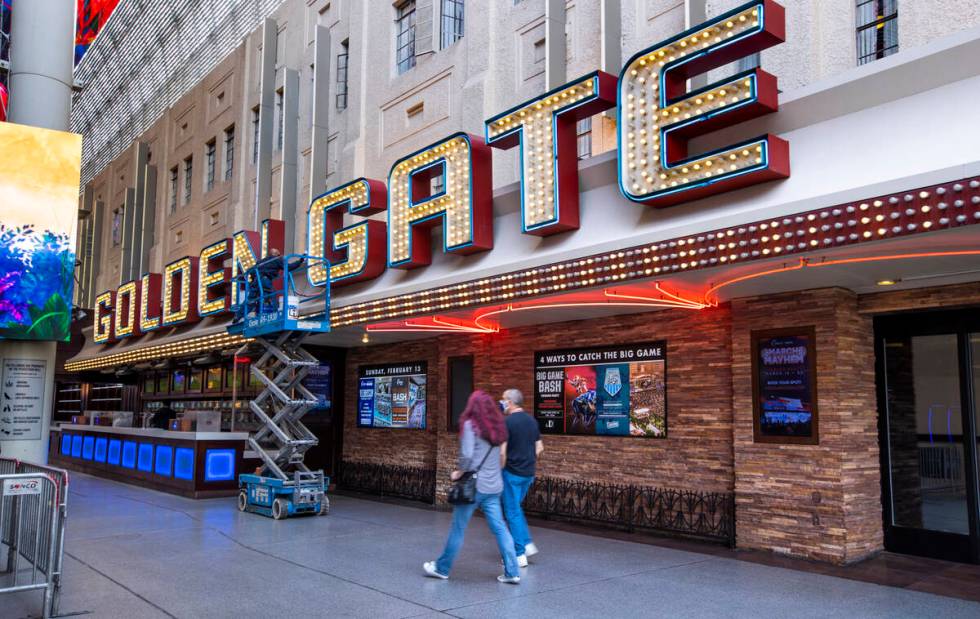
(392, 395)
(784, 386)
(609, 391)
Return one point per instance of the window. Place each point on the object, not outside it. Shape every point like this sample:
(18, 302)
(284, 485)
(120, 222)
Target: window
(188, 176)
(173, 190)
(539, 51)
(583, 138)
(229, 152)
(460, 387)
(342, 76)
(209, 152)
(452, 22)
(117, 219)
(280, 117)
(405, 36)
(437, 184)
(255, 135)
(877, 29)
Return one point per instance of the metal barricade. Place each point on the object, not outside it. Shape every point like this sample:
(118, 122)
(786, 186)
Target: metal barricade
(33, 508)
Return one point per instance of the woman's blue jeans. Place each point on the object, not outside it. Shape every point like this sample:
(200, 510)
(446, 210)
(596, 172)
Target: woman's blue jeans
(490, 505)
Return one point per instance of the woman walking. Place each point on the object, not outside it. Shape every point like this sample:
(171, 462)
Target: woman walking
(482, 430)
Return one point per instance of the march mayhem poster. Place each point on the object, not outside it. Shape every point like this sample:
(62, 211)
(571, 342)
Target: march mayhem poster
(392, 395)
(611, 391)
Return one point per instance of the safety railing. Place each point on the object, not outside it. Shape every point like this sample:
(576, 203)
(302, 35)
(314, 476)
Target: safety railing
(33, 509)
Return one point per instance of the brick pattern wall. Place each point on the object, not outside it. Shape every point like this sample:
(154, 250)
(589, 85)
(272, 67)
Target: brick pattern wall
(816, 501)
(697, 453)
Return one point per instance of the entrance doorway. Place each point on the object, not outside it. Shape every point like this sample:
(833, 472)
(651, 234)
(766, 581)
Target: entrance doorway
(928, 374)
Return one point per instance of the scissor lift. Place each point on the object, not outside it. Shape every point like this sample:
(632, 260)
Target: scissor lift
(277, 315)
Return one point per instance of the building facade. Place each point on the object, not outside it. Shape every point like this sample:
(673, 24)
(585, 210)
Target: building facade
(852, 276)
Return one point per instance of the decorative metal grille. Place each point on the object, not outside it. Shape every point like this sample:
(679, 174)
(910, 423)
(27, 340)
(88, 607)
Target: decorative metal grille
(689, 513)
(406, 482)
(707, 515)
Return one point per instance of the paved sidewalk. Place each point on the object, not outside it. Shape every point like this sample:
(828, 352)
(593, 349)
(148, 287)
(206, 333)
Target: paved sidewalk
(137, 553)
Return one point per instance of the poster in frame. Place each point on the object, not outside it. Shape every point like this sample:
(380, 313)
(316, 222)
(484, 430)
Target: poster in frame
(392, 395)
(617, 390)
(784, 386)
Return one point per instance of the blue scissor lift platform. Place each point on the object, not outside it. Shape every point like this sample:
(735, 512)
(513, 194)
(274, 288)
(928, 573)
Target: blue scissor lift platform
(278, 311)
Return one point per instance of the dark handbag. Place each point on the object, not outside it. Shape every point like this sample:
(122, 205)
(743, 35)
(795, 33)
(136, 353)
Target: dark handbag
(463, 490)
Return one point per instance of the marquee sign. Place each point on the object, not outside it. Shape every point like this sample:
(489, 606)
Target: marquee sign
(656, 117)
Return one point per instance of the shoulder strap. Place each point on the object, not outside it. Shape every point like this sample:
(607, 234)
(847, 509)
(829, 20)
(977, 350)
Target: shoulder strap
(487, 455)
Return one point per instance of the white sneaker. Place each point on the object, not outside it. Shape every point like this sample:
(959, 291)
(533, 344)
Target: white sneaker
(508, 580)
(521, 561)
(430, 570)
(530, 550)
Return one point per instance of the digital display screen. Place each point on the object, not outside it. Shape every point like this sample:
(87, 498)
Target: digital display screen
(392, 395)
(608, 391)
(784, 374)
(39, 176)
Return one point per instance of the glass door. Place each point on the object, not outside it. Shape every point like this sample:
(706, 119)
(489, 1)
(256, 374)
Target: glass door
(926, 382)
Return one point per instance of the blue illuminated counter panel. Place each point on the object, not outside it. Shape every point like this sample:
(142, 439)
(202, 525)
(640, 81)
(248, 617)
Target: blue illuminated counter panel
(192, 464)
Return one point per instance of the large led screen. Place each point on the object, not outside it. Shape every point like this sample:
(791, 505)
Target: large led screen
(39, 173)
(391, 395)
(608, 391)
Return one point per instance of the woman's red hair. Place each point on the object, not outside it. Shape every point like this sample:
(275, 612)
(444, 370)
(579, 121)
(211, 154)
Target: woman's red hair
(487, 420)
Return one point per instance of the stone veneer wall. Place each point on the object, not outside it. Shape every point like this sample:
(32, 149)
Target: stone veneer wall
(816, 501)
(697, 453)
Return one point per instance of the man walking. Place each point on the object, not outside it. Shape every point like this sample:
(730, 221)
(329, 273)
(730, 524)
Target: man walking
(519, 455)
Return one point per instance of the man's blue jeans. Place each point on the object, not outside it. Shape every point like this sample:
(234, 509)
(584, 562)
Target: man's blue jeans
(490, 505)
(515, 489)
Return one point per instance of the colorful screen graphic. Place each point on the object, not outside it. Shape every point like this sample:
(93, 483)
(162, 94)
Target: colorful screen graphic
(39, 174)
(612, 391)
(392, 395)
(785, 394)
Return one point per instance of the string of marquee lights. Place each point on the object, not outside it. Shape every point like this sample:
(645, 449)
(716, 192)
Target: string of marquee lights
(943, 206)
(901, 214)
(191, 346)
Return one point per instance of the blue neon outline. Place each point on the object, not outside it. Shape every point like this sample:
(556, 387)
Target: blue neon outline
(238, 263)
(210, 456)
(227, 255)
(159, 318)
(519, 129)
(163, 301)
(133, 327)
(411, 236)
(353, 210)
(109, 337)
(65, 444)
(76, 446)
(762, 140)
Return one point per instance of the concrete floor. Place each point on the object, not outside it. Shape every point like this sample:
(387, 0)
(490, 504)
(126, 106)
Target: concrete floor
(135, 553)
